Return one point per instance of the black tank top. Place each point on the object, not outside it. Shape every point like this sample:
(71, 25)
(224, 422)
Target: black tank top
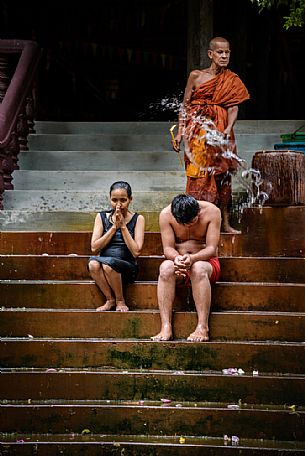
(117, 247)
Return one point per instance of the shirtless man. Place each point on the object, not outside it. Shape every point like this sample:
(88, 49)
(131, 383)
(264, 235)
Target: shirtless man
(190, 231)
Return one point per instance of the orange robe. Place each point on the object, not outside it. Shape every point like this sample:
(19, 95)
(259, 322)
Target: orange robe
(211, 100)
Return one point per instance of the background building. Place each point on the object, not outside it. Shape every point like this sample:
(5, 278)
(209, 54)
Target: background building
(129, 60)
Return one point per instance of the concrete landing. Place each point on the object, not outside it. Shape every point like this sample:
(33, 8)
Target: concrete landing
(100, 181)
(63, 200)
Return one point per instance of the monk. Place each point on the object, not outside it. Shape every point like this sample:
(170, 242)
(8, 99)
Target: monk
(213, 93)
(190, 231)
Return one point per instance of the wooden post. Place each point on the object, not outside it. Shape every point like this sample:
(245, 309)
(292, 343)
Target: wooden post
(199, 33)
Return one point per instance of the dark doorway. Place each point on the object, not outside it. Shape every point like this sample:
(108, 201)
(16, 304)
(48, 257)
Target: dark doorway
(126, 60)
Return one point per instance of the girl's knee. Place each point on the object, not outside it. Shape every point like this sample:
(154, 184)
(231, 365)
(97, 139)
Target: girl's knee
(107, 269)
(94, 266)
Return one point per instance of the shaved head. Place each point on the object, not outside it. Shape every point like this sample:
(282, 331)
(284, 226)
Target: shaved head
(217, 40)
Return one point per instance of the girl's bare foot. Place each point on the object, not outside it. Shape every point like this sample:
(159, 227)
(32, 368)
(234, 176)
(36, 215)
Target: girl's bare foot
(109, 304)
(121, 306)
(199, 335)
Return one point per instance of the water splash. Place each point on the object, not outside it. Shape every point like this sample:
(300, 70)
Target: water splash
(169, 104)
(249, 178)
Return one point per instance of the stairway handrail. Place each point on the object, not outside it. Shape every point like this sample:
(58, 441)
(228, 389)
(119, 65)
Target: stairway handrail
(19, 85)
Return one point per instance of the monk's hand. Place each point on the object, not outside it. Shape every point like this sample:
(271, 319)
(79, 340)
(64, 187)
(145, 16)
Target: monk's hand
(227, 133)
(176, 142)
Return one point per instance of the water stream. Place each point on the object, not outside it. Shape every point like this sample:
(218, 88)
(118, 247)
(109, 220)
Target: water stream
(256, 189)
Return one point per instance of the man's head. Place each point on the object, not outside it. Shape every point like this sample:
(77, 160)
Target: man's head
(185, 208)
(219, 51)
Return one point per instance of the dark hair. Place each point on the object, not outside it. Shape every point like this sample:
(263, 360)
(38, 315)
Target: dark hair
(184, 208)
(121, 184)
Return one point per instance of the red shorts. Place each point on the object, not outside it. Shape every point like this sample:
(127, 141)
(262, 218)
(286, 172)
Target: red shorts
(215, 276)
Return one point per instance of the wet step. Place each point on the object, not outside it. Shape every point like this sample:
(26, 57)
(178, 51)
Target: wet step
(128, 417)
(59, 242)
(254, 326)
(140, 141)
(135, 445)
(88, 384)
(105, 160)
(99, 181)
(256, 126)
(226, 296)
(78, 200)
(109, 141)
(60, 220)
(272, 357)
(74, 267)
(285, 238)
(125, 127)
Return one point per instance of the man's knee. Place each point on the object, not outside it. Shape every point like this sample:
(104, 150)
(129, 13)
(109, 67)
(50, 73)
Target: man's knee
(166, 270)
(201, 270)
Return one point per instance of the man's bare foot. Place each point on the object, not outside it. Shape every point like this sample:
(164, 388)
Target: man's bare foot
(164, 334)
(199, 335)
(109, 304)
(121, 306)
(230, 229)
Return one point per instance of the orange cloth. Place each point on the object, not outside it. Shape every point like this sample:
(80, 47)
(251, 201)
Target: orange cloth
(211, 100)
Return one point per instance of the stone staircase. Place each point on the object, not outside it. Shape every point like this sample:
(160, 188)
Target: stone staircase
(74, 381)
(70, 166)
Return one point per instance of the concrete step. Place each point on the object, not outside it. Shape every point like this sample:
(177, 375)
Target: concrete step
(152, 418)
(63, 200)
(74, 267)
(247, 143)
(242, 126)
(31, 220)
(53, 127)
(74, 384)
(226, 296)
(126, 354)
(98, 142)
(151, 139)
(135, 445)
(96, 160)
(100, 181)
(253, 325)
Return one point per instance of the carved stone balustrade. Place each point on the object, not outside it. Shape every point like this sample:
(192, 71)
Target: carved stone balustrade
(19, 61)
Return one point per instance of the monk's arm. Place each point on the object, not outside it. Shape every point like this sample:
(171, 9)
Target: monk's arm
(186, 99)
(232, 116)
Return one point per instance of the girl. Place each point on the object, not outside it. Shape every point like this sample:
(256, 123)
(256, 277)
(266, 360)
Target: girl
(119, 235)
